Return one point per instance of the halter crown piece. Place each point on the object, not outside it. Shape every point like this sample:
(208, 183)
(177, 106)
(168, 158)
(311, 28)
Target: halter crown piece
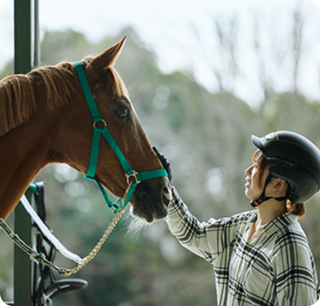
(119, 204)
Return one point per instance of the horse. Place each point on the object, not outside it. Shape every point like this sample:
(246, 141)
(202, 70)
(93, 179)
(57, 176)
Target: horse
(44, 118)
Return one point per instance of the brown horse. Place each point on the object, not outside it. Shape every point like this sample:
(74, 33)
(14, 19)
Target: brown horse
(44, 118)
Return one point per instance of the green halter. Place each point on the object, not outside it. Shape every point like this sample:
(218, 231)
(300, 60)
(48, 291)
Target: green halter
(97, 132)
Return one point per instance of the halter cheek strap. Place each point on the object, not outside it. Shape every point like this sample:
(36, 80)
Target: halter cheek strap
(263, 198)
(133, 178)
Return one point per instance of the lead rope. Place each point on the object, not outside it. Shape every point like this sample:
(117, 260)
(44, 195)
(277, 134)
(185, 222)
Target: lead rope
(40, 257)
(93, 253)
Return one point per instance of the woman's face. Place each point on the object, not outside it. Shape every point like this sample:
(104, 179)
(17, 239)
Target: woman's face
(254, 187)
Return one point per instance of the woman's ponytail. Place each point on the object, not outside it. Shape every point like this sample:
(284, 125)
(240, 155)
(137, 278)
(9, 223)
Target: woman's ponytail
(297, 209)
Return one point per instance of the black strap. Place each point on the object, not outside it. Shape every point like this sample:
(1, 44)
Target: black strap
(39, 200)
(263, 198)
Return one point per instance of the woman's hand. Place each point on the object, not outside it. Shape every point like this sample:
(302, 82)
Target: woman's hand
(165, 164)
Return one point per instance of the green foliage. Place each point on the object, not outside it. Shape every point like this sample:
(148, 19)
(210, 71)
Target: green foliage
(207, 140)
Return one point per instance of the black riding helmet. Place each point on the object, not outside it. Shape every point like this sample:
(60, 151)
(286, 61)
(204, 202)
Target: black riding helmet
(294, 159)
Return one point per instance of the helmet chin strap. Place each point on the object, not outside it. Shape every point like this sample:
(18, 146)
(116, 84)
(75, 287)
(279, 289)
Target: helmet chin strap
(263, 198)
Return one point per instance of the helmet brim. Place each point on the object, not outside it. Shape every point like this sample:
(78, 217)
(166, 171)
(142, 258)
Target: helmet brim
(257, 142)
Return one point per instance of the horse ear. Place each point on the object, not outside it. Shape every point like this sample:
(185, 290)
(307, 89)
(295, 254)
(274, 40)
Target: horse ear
(108, 57)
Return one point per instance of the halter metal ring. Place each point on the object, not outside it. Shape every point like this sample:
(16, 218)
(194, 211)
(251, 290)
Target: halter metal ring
(134, 175)
(101, 120)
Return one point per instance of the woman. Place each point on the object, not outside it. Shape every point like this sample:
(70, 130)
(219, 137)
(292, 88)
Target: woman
(261, 257)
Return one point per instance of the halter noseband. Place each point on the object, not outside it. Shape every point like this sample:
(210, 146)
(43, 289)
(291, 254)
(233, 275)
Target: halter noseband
(119, 204)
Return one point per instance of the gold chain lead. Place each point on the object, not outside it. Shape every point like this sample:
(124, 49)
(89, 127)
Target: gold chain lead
(93, 253)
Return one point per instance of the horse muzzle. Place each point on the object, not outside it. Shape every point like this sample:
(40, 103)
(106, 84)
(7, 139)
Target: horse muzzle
(151, 200)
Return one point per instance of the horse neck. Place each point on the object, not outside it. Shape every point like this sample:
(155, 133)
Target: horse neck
(24, 151)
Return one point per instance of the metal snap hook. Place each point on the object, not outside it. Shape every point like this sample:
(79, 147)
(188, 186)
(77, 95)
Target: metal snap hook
(134, 175)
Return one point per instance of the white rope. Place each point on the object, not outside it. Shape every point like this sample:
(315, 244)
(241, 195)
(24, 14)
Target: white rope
(40, 257)
(46, 299)
(44, 229)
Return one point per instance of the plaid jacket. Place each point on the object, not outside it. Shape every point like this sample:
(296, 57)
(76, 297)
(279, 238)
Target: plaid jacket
(275, 268)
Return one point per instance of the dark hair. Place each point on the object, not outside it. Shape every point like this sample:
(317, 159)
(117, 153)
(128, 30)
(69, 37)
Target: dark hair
(298, 209)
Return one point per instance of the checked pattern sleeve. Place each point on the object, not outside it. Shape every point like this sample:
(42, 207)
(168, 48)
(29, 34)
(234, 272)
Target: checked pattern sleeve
(206, 239)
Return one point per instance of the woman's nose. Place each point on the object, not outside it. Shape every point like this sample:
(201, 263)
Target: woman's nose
(249, 170)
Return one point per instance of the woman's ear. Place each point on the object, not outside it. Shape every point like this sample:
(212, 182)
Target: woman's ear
(279, 184)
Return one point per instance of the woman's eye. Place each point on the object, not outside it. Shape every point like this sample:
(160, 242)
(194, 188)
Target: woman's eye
(123, 112)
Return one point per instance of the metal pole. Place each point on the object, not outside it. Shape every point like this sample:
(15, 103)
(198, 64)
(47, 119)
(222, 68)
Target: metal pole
(36, 35)
(22, 221)
(23, 268)
(22, 36)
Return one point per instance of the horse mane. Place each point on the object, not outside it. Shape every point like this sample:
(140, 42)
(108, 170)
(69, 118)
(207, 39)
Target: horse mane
(17, 93)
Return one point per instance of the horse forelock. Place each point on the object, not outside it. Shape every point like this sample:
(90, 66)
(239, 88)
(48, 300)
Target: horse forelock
(115, 85)
(18, 101)
(137, 133)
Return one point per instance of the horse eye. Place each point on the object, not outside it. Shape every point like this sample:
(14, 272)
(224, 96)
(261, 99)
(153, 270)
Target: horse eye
(123, 112)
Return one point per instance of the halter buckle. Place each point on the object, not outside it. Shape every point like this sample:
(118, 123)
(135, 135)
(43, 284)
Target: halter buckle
(134, 175)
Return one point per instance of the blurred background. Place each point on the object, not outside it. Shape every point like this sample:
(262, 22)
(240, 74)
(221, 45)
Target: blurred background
(202, 77)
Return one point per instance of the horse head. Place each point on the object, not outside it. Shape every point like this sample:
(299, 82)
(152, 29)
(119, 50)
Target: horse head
(150, 199)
